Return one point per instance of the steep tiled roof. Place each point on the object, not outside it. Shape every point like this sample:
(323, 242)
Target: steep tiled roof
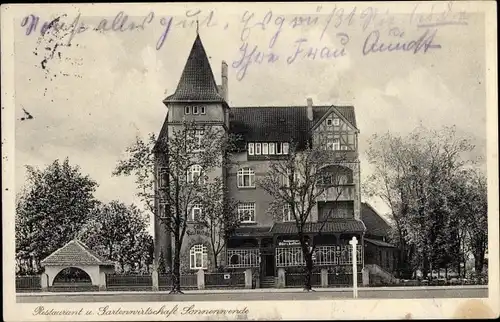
(346, 111)
(379, 243)
(375, 224)
(337, 226)
(279, 123)
(197, 81)
(266, 123)
(74, 253)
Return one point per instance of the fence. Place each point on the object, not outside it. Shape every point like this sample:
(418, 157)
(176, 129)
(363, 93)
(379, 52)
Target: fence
(297, 279)
(129, 282)
(28, 284)
(226, 280)
(343, 280)
(187, 281)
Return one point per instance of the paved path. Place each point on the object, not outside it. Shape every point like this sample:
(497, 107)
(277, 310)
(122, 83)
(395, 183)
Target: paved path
(259, 294)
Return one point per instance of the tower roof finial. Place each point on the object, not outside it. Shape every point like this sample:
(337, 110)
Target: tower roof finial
(197, 26)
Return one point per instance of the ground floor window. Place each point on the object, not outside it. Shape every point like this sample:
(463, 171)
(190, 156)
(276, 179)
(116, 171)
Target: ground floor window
(198, 257)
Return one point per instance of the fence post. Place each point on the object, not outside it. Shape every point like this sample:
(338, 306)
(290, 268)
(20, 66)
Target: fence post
(248, 278)
(200, 276)
(324, 277)
(281, 277)
(102, 281)
(154, 279)
(44, 282)
(366, 276)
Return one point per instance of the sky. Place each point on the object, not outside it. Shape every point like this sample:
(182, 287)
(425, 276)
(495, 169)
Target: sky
(91, 99)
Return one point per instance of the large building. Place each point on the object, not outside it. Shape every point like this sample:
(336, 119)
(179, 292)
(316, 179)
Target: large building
(261, 242)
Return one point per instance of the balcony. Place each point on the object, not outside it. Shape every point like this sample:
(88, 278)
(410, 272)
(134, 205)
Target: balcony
(345, 192)
(242, 257)
(323, 256)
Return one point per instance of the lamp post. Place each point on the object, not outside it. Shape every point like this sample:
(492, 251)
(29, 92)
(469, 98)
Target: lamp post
(354, 242)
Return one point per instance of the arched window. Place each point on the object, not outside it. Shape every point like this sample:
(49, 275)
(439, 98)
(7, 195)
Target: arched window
(198, 257)
(193, 173)
(246, 178)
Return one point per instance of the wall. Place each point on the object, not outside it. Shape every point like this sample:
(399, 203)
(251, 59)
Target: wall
(213, 112)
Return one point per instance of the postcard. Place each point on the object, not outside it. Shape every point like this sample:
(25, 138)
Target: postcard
(255, 161)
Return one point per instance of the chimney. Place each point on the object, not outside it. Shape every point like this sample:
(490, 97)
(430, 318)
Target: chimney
(310, 109)
(224, 80)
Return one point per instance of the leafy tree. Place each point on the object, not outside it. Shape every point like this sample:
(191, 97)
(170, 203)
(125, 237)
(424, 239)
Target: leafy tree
(416, 176)
(295, 183)
(54, 205)
(219, 217)
(188, 147)
(119, 233)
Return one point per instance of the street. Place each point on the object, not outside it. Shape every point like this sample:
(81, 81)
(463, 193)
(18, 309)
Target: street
(260, 295)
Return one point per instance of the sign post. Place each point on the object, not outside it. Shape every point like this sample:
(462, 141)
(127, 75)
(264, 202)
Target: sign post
(354, 242)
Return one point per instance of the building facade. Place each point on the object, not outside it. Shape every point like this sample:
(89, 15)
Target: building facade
(261, 242)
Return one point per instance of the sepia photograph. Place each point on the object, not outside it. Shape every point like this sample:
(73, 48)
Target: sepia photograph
(194, 161)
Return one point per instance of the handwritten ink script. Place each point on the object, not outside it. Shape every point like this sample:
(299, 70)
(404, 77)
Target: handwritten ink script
(328, 35)
(163, 310)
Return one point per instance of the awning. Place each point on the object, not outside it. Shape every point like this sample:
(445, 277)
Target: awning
(334, 226)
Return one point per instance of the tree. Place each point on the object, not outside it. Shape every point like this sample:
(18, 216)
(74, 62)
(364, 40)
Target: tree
(188, 156)
(415, 176)
(54, 205)
(219, 217)
(119, 233)
(295, 183)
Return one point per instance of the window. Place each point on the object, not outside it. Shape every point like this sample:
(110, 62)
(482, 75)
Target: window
(198, 136)
(336, 121)
(187, 110)
(278, 148)
(285, 148)
(265, 148)
(246, 178)
(162, 210)
(193, 173)
(250, 149)
(198, 257)
(246, 212)
(195, 109)
(287, 213)
(162, 178)
(257, 149)
(333, 145)
(329, 122)
(202, 109)
(271, 148)
(332, 121)
(195, 212)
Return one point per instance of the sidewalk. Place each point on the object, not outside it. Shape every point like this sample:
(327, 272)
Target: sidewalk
(263, 290)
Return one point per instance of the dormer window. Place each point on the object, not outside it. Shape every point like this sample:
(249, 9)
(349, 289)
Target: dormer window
(285, 148)
(187, 110)
(257, 149)
(250, 149)
(202, 109)
(195, 109)
(265, 148)
(271, 148)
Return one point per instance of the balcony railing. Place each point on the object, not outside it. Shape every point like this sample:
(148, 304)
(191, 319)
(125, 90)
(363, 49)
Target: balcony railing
(242, 258)
(323, 255)
(339, 193)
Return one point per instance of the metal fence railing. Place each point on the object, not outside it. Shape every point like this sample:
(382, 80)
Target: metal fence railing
(115, 282)
(226, 280)
(343, 280)
(28, 283)
(297, 279)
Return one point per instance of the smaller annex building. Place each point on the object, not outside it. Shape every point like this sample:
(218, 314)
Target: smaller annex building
(75, 264)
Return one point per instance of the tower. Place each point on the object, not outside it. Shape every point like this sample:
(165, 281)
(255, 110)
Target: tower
(197, 99)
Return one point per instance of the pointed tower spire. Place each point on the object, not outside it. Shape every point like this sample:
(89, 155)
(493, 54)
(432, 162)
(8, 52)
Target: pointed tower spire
(197, 81)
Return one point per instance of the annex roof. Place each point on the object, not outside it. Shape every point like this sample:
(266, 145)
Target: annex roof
(74, 253)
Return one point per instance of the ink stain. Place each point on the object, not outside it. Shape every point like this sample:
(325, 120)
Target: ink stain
(27, 115)
(44, 63)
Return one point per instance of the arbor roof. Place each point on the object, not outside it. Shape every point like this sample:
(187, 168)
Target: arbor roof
(74, 253)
